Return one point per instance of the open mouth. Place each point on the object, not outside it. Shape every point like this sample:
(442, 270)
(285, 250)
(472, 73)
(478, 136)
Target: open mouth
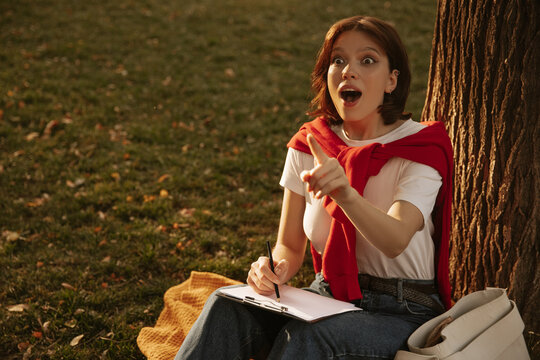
(350, 96)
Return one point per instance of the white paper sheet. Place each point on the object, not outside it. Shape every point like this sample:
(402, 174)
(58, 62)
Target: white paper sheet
(297, 303)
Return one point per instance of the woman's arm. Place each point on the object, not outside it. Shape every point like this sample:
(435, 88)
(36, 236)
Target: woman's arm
(389, 232)
(289, 251)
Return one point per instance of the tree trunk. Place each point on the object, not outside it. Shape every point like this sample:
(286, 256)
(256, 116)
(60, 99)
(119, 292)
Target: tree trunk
(484, 83)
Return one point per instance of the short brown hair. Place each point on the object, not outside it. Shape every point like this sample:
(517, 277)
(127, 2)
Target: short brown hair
(387, 37)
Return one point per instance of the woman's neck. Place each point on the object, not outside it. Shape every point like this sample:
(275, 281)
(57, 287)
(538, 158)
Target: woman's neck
(366, 130)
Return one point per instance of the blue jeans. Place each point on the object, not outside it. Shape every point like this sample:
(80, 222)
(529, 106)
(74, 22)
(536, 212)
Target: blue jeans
(230, 330)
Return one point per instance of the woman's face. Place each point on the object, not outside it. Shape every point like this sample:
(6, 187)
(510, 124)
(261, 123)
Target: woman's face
(358, 76)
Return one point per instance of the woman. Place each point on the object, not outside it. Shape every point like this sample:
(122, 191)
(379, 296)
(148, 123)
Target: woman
(371, 190)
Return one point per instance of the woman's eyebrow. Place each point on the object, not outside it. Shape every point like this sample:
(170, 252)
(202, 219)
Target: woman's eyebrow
(367, 48)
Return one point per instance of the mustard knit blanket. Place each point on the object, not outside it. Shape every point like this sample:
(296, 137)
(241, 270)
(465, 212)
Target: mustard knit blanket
(182, 305)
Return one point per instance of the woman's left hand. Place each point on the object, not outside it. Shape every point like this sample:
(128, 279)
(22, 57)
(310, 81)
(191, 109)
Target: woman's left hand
(327, 177)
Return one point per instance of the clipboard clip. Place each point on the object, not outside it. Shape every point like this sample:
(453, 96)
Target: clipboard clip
(266, 303)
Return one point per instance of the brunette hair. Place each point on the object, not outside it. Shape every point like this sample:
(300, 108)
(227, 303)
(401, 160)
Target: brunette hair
(387, 37)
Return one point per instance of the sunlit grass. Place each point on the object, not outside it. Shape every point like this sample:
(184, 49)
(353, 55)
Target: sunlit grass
(142, 140)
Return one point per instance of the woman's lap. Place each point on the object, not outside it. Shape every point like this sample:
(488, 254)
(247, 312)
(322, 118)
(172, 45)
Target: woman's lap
(230, 330)
(357, 335)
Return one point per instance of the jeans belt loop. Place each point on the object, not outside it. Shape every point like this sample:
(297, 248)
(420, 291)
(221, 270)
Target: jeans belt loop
(400, 290)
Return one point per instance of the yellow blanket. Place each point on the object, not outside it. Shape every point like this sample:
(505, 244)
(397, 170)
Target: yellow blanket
(182, 305)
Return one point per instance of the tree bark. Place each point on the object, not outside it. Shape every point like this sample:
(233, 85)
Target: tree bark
(484, 83)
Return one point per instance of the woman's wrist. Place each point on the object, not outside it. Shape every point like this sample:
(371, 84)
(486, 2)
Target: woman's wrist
(347, 198)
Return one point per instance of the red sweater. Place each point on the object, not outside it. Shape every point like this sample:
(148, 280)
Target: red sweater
(430, 146)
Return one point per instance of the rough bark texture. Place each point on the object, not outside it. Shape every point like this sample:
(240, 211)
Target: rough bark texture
(484, 83)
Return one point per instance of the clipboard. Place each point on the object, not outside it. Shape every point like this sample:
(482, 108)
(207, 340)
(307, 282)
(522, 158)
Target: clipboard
(295, 303)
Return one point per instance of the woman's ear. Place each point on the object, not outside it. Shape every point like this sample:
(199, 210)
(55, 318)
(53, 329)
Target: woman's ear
(392, 81)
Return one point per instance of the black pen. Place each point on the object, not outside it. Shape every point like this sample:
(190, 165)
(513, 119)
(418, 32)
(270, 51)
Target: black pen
(272, 267)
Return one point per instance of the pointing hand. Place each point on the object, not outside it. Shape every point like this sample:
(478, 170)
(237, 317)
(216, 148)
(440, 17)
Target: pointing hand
(327, 177)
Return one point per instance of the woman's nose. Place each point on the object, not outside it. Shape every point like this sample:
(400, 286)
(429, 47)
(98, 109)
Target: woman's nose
(349, 73)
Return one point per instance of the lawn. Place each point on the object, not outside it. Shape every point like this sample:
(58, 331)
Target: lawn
(141, 140)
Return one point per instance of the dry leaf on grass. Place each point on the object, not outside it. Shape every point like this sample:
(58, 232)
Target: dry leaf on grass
(71, 323)
(18, 307)
(68, 286)
(11, 236)
(32, 136)
(75, 341)
(162, 178)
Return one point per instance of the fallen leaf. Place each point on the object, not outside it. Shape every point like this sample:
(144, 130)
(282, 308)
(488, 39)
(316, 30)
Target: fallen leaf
(182, 245)
(161, 228)
(79, 311)
(68, 286)
(35, 203)
(229, 72)
(71, 323)
(73, 184)
(162, 178)
(31, 136)
(167, 81)
(109, 336)
(149, 198)
(183, 125)
(27, 353)
(18, 307)
(115, 176)
(23, 346)
(106, 259)
(187, 212)
(49, 128)
(39, 264)
(11, 236)
(37, 334)
(75, 341)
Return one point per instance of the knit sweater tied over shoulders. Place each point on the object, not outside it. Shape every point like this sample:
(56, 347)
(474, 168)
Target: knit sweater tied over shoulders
(430, 146)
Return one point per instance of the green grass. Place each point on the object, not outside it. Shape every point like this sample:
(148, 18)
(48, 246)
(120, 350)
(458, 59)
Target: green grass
(141, 140)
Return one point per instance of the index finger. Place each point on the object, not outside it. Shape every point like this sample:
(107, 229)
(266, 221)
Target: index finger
(316, 150)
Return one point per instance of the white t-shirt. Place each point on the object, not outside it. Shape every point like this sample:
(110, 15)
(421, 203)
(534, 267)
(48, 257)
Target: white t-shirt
(399, 179)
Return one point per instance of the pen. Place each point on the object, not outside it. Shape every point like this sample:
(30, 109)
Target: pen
(272, 267)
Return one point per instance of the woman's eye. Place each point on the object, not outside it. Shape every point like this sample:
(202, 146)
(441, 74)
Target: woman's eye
(368, 61)
(338, 61)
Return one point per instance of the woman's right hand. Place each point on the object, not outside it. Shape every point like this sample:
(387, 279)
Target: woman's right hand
(262, 279)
